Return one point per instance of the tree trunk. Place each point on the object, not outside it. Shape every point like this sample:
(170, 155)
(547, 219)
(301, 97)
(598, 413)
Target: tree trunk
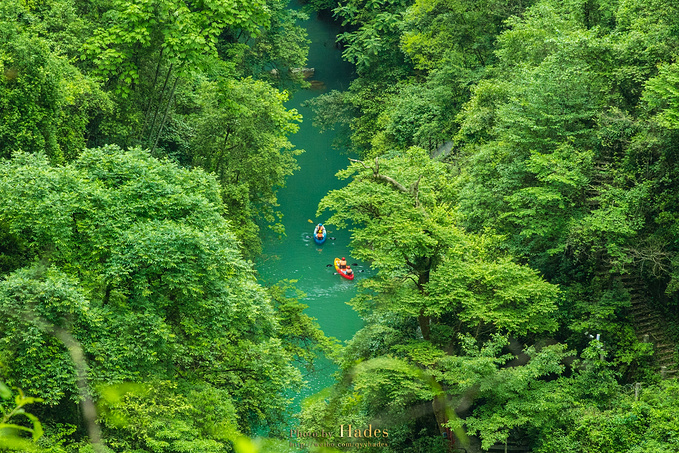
(439, 406)
(167, 109)
(147, 110)
(424, 322)
(160, 100)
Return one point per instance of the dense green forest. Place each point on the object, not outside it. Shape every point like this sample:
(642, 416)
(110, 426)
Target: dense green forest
(142, 144)
(514, 190)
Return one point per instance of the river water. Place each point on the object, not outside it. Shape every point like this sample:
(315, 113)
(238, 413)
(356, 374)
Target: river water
(297, 256)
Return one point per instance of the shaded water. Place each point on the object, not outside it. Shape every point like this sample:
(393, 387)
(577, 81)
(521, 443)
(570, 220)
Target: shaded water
(297, 256)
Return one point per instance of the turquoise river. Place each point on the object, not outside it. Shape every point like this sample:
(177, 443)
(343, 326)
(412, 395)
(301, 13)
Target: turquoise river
(296, 256)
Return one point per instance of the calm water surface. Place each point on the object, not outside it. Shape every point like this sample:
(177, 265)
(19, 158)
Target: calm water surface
(297, 256)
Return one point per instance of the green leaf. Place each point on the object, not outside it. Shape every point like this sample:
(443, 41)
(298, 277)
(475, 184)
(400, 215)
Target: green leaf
(5, 392)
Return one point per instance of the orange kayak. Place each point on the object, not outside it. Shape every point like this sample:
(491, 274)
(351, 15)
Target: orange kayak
(342, 272)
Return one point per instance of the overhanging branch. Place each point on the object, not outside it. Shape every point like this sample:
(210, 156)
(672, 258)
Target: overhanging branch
(413, 190)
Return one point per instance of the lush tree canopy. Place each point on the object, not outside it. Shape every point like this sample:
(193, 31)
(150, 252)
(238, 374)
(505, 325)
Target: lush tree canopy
(157, 75)
(538, 213)
(512, 188)
(132, 258)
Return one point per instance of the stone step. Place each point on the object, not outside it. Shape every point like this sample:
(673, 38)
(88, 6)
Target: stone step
(666, 359)
(651, 316)
(639, 304)
(639, 309)
(643, 315)
(664, 345)
(653, 337)
(666, 353)
(669, 372)
(647, 325)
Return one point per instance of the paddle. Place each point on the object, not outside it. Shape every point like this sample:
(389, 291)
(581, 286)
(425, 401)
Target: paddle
(326, 230)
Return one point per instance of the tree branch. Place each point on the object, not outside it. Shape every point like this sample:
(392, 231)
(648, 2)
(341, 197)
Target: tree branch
(377, 175)
(414, 189)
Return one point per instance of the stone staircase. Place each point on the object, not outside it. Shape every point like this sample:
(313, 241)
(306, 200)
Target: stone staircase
(600, 178)
(650, 327)
(649, 324)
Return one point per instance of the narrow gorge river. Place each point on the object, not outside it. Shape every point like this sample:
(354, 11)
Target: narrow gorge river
(297, 256)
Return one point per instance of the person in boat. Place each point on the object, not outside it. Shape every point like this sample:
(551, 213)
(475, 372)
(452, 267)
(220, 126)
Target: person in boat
(319, 234)
(349, 271)
(343, 264)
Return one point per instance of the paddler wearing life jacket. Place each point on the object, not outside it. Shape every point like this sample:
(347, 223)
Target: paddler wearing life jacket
(349, 271)
(343, 263)
(319, 234)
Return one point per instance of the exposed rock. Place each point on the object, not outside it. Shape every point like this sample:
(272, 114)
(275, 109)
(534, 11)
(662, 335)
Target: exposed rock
(443, 150)
(306, 72)
(317, 85)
